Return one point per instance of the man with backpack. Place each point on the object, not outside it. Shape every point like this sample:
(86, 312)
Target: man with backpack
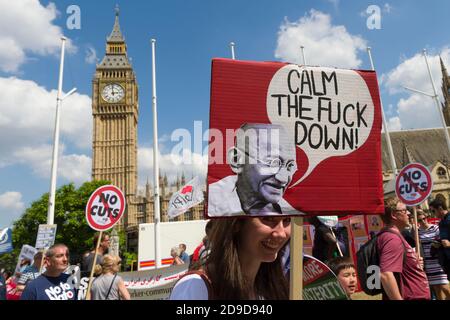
(401, 271)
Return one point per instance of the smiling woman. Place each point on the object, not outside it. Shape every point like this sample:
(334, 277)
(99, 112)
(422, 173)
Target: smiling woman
(244, 262)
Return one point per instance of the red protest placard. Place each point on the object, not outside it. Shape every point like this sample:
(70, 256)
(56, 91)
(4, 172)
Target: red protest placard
(288, 139)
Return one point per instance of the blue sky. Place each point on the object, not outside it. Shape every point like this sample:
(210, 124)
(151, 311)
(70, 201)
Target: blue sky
(189, 34)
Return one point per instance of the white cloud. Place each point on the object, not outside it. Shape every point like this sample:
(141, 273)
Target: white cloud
(27, 118)
(26, 27)
(11, 207)
(172, 165)
(91, 55)
(11, 55)
(11, 200)
(71, 167)
(75, 168)
(38, 158)
(417, 110)
(394, 124)
(325, 44)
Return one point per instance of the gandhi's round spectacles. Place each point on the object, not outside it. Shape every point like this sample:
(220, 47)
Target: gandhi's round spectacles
(274, 165)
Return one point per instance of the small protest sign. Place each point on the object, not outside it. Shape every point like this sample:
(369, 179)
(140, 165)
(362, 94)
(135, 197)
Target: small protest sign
(46, 236)
(358, 227)
(27, 252)
(285, 137)
(319, 282)
(190, 195)
(105, 207)
(6, 240)
(413, 184)
(375, 224)
(329, 221)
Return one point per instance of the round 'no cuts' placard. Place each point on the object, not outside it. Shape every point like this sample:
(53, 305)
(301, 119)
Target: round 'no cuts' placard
(105, 208)
(413, 184)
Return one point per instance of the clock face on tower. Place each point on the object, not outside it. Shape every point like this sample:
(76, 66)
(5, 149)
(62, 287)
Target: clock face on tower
(113, 93)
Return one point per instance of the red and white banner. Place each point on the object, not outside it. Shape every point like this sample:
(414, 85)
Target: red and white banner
(293, 140)
(190, 195)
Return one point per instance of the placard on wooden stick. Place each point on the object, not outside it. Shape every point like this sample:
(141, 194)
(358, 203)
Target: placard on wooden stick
(413, 186)
(104, 209)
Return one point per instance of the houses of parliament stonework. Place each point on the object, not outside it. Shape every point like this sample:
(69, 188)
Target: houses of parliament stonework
(115, 111)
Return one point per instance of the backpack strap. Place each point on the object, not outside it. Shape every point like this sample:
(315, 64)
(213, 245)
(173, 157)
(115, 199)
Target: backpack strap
(401, 239)
(205, 279)
(109, 290)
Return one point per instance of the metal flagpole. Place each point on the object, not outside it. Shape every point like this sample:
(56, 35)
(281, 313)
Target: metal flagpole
(436, 99)
(155, 162)
(386, 130)
(303, 54)
(232, 51)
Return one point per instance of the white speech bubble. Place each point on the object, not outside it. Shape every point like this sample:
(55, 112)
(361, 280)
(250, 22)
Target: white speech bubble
(328, 112)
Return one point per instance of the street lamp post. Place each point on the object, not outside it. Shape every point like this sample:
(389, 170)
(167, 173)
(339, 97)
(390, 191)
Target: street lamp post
(435, 98)
(51, 198)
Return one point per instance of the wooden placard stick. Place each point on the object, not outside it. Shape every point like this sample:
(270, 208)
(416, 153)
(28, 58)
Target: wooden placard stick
(296, 271)
(94, 263)
(416, 232)
(337, 242)
(42, 260)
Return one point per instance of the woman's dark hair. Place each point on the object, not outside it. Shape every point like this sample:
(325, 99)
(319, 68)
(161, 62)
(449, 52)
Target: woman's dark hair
(436, 203)
(225, 271)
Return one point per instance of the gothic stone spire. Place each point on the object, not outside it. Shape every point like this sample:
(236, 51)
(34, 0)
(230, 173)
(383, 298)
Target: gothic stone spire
(116, 34)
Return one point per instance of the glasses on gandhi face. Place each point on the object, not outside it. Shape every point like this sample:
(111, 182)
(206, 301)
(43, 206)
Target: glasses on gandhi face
(274, 165)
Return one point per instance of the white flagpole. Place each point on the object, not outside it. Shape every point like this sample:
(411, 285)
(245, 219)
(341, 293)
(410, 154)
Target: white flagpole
(302, 48)
(386, 130)
(436, 99)
(155, 163)
(232, 50)
(51, 197)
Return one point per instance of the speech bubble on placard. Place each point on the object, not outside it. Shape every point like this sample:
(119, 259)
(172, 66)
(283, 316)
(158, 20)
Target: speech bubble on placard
(328, 112)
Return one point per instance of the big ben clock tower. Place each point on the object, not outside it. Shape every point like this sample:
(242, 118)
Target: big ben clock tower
(115, 113)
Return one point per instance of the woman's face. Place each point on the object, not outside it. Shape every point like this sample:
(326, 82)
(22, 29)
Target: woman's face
(262, 238)
(347, 278)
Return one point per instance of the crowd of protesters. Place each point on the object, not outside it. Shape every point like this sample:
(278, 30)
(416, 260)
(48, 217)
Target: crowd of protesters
(48, 275)
(231, 263)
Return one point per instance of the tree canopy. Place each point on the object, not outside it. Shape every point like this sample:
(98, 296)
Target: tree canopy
(72, 230)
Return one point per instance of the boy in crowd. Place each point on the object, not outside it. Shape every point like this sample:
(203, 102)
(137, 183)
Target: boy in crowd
(344, 269)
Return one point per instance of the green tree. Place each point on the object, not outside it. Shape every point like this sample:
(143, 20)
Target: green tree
(72, 230)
